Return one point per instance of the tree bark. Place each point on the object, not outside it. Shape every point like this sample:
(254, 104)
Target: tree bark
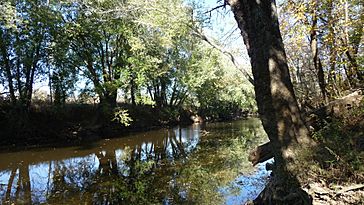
(107, 96)
(132, 90)
(108, 99)
(261, 154)
(353, 43)
(333, 77)
(354, 68)
(316, 59)
(277, 104)
(7, 66)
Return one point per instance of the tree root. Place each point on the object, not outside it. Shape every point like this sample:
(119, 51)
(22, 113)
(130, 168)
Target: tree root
(275, 194)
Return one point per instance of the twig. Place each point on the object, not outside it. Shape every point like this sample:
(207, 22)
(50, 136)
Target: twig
(350, 188)
(342, 191)
(226, 53)
(333, 153)
(217, 7)
(3, 93)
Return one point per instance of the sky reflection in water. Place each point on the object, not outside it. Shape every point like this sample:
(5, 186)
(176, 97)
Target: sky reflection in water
(199, 164)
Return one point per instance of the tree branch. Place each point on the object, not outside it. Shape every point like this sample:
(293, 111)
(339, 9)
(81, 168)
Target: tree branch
(261, 153)
(215, 8)
(3, 93)
(226, 53)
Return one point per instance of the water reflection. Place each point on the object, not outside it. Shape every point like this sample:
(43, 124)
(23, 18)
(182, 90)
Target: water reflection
(176, 166)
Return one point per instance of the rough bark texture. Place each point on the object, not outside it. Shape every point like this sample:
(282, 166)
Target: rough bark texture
(353, 44)
(261, 154)
(8, 73)
(277, 104)
(314, 49)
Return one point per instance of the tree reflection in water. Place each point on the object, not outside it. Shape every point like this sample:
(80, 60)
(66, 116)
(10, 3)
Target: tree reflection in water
(166, 166)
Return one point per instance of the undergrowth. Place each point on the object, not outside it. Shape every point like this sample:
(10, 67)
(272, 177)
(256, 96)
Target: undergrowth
(339, 156)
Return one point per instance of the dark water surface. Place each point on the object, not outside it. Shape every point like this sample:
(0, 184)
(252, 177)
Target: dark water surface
(199, 164)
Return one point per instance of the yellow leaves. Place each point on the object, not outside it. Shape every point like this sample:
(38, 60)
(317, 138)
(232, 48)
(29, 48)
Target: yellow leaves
(136, 44)
(300, 12)
(8, 15)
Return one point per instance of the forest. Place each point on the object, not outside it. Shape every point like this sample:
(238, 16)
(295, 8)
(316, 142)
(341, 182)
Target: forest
(122, 60)
(74, 73)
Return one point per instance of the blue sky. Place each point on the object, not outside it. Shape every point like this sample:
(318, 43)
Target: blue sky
(223, 29)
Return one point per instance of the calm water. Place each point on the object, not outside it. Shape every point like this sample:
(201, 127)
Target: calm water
(199, 164)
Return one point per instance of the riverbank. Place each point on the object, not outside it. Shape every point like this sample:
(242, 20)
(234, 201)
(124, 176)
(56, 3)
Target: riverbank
(332, 172)
(74, 124)
(336, 172)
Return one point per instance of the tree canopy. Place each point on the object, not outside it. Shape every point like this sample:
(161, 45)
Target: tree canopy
(138, 52)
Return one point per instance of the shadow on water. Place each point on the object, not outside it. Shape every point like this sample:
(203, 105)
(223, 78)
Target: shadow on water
(199, 164)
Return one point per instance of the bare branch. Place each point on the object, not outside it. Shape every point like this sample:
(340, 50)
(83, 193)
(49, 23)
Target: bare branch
(4, 93)
(223, 51)
(215, 8)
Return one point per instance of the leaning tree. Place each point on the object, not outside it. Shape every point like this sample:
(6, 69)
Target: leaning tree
(277, 104)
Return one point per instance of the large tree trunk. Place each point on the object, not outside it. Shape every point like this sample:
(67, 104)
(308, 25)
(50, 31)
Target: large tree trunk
(332, 77)
(352, 43)
(277, 104)
(8, 73)
(315, 56)
(108, 99)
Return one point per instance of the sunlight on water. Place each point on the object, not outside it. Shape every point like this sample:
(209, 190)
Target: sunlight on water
(203, 164)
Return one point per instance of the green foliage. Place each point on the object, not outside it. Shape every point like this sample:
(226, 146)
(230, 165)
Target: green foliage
(340, 153)
(218, 159)
(142, 52)
(220, 90)
(122, 116)
(335, 28)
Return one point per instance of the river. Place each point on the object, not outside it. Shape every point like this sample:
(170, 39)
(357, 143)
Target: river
(197, 164)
